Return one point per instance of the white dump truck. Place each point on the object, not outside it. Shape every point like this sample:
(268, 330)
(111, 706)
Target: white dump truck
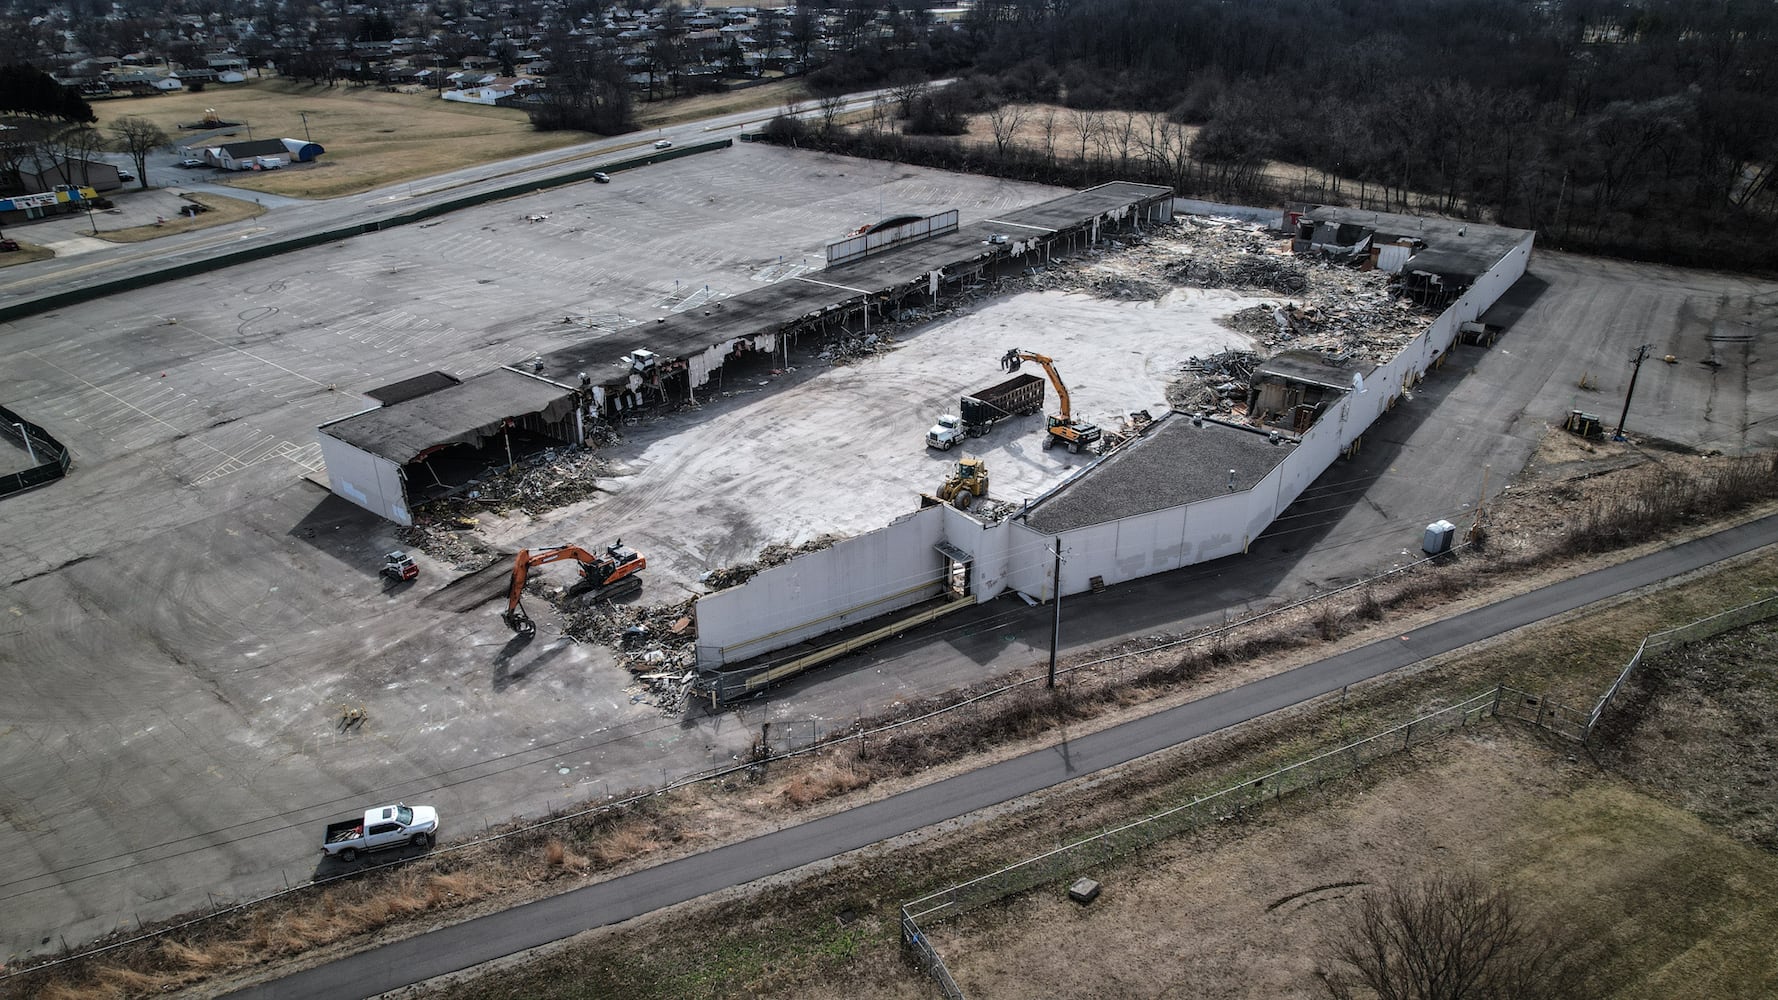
(399, 825)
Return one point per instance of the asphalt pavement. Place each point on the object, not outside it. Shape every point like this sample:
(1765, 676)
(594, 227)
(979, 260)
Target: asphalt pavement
(497, 935)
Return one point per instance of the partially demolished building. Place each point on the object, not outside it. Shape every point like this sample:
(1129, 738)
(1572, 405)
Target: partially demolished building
(1191, 487)
(376, 457)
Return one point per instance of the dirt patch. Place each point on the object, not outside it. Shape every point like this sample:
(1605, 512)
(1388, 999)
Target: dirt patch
(1700, 736)
(25, 254)
(1239, 911)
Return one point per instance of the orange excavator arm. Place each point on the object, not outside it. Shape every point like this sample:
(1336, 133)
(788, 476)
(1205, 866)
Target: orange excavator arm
(1010, 362)
(522, 564)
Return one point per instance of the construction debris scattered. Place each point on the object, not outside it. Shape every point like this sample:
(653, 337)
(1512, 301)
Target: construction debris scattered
(776, 554)
(658, 645)
(1218, 382)
(1349, 315)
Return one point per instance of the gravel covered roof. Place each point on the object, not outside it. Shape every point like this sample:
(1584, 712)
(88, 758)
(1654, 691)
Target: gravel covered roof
(1175, 463)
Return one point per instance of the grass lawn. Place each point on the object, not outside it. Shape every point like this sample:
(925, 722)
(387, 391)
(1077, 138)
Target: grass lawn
(26, 253)
(219, 211)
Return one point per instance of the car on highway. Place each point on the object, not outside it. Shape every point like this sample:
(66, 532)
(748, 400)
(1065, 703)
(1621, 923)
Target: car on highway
(664, 144)
(192, 161)
(601, 177)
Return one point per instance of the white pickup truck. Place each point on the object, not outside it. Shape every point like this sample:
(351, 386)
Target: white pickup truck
(399, 825)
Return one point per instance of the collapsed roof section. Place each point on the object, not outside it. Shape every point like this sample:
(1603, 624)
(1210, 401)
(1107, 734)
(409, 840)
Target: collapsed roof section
(469, 413)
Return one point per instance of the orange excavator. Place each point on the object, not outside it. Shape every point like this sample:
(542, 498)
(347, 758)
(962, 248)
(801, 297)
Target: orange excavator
(609, 576)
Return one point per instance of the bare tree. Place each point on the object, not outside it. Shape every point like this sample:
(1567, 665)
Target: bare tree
(1048, 124)
(1086, 125)
(907, 87)
(63, 154)
(1450, 938)
(138, 136)
(831, 106)
(882, 113)
(1006, 120)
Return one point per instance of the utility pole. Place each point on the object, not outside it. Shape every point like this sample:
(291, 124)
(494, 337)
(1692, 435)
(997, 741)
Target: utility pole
(1056, 627)
(1636, 361)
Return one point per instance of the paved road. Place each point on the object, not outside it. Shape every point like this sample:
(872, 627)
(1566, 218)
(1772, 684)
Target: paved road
(497, 935)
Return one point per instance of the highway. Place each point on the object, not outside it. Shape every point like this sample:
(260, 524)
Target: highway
(497, 935)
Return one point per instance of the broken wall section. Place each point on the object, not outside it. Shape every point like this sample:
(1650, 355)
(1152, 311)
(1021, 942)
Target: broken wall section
(894, 567)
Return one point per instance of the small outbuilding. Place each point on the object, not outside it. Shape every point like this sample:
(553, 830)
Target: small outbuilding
(302, 150)
(258, 154)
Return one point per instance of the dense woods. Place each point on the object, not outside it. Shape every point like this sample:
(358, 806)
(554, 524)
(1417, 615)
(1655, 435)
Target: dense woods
(1646, 129)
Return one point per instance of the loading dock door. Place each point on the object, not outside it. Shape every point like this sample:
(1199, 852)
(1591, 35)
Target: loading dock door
(955, 574)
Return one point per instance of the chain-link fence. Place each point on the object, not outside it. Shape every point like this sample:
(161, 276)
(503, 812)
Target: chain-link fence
(1656, 642)
(924, 955)
(1068, 861)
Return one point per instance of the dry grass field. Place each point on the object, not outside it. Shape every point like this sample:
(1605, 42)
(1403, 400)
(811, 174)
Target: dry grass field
(375, 137)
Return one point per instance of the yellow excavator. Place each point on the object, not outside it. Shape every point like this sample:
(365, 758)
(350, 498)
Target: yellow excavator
(967, 485)
(1061, 427)
(611, 576)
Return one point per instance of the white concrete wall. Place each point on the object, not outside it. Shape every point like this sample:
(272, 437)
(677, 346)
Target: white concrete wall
(896, 566)
(853, 581)
(368, 481)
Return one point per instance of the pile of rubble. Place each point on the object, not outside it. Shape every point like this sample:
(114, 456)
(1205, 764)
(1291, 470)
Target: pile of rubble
(444, 529)
(542, 483)
(1215, 383)
(658, 645)
(776, 554)
(1262, 270)
(1334, 309)
(847, 349)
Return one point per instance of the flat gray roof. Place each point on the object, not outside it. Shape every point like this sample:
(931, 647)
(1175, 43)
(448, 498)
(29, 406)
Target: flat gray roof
(1303, 366)
(1453, 246)
(1176, 462)
(469, 414)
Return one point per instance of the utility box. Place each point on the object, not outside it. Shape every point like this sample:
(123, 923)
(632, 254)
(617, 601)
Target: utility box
(1438, 538)
(1084, 891)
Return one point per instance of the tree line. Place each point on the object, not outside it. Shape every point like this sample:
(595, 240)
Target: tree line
(1648, 130)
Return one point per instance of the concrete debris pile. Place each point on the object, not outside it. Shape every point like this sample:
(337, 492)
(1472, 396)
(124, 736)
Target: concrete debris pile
(1353, 320)
(850, 349)
(775, 554)
(1262, 270)
(444, 529)
(992, 511)
(542, 483)
(658, 645)
(1218, 382)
